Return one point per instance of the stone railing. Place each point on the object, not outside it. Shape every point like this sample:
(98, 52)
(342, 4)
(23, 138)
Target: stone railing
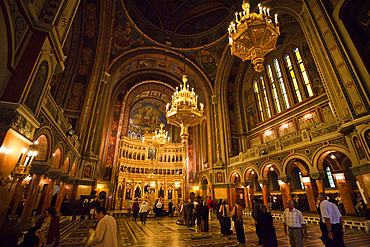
(286, 142)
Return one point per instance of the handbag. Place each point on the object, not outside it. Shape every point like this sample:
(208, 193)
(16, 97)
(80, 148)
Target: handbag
(232, 228)
(234, 215)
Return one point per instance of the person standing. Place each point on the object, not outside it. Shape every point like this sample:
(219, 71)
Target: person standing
(170, 208)
(267, 227)
(135, 209)
(340, 203)
(190, 213)
(256, 211)
(144, 208)
(49, 226)
(33, 238)
(296, 201)
(294, 219)
(159, 206)
(332, 234)
(210, 204)
(204, 214)
(225, 219)
(106, 230)
(359, 204)
(238, 221)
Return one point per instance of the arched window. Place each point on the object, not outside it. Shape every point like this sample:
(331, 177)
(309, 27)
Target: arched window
(274, 89)
(293, 77)
(274, 180)
(303, 72)
(328, 181)
(281, 83)
(258, 96)
(297, 179)
(268, 113)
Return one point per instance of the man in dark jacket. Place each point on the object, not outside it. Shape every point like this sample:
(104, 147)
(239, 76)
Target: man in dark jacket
(190, 213)
(256, 212)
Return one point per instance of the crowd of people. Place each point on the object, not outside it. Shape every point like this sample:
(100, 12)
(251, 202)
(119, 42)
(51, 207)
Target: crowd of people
(197, 213)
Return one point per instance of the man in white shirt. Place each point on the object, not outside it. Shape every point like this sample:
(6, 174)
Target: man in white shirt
(294, 220)
(106, 230)
(144, 208)
(159, 207)
(332, 234)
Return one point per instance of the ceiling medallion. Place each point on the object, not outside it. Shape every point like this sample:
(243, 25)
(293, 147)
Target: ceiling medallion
(253, 35)
(183, 110)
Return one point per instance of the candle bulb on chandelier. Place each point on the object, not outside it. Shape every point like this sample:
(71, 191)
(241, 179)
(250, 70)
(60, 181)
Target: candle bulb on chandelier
(276, 20)
(243, 13)
(236, 17)
(264, 10)
(260, 8)
(28, 158)
(268, 12)
(24, 150)
(248, 13)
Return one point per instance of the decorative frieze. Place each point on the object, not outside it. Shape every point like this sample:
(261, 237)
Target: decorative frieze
(360, 170)
(340, 142)
(323, 131)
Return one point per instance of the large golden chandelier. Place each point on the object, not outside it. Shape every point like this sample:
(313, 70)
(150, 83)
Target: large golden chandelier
(161, 137)
(183, 110)
(253, 35)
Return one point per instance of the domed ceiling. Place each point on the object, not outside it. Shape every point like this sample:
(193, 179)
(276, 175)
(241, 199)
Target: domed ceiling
(184, 23)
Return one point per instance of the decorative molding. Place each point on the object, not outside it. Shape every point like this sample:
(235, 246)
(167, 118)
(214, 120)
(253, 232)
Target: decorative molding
(19, 23)
(16, 117)
(360, 170)
(323, 131)
(317, 175)
(286, 179)
(39, 169)
(54, 173)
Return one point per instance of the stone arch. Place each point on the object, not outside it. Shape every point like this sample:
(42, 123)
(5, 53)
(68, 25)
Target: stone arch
(249, 171)
(300, 161)
(320, 155)
(267, 165)
(45, 139)
(66, 164)
(233, 175)
(57, 156)
(204, 178)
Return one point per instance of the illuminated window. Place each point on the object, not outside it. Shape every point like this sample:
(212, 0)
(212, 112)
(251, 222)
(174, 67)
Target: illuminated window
(300, 179)
(281, 83)
(255, 86)
(293, 77)
(303, 71)
(265, 98)
(330, 177)
(274, 90)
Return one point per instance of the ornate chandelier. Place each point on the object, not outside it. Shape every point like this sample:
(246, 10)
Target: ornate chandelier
(183, 111)
(161, 137)
(253, 35)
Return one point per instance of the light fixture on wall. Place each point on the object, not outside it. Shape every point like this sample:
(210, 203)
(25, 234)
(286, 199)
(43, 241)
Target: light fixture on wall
(20, 171)
(253, 35)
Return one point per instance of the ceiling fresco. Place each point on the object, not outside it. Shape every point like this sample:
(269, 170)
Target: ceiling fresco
(186, 23)
(147, 115)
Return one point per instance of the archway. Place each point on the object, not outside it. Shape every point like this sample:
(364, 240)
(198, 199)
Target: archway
(237, 190)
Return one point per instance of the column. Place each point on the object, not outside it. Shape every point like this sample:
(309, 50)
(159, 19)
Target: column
(265, 191)
(60, 197)
(246, 195)
(285, 189)
(232, 196)
(311, 193)
(48, 196)
(345, 194)
(31, 197)
(320, 186)
(16, 197)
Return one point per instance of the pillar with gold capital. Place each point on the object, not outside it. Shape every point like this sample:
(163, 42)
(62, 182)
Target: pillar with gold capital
(231, 195)
(31, 197)
(53, 174)
(61, 193)
(285, 189)
(16, 197)
(248, 203)
(344, 192)
(265, 190)
(311, 192)
(319, 176)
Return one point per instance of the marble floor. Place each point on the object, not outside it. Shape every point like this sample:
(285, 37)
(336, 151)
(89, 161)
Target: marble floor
(165, 232)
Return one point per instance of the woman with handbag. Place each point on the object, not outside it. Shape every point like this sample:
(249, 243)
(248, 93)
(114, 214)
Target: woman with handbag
(237, 216)
(225, 219)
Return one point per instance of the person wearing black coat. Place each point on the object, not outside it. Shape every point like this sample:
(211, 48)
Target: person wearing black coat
(33, 238)
(265, 221)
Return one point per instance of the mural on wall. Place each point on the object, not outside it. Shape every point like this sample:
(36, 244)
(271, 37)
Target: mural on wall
(367, 138)
(87, 171)
(191, 157)
(124, 36)
(152, 153)
(107, 171)
(37, 86)
(42, 148)
(220, 177)
(85, 64)
(359, 149)
(146, 116)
